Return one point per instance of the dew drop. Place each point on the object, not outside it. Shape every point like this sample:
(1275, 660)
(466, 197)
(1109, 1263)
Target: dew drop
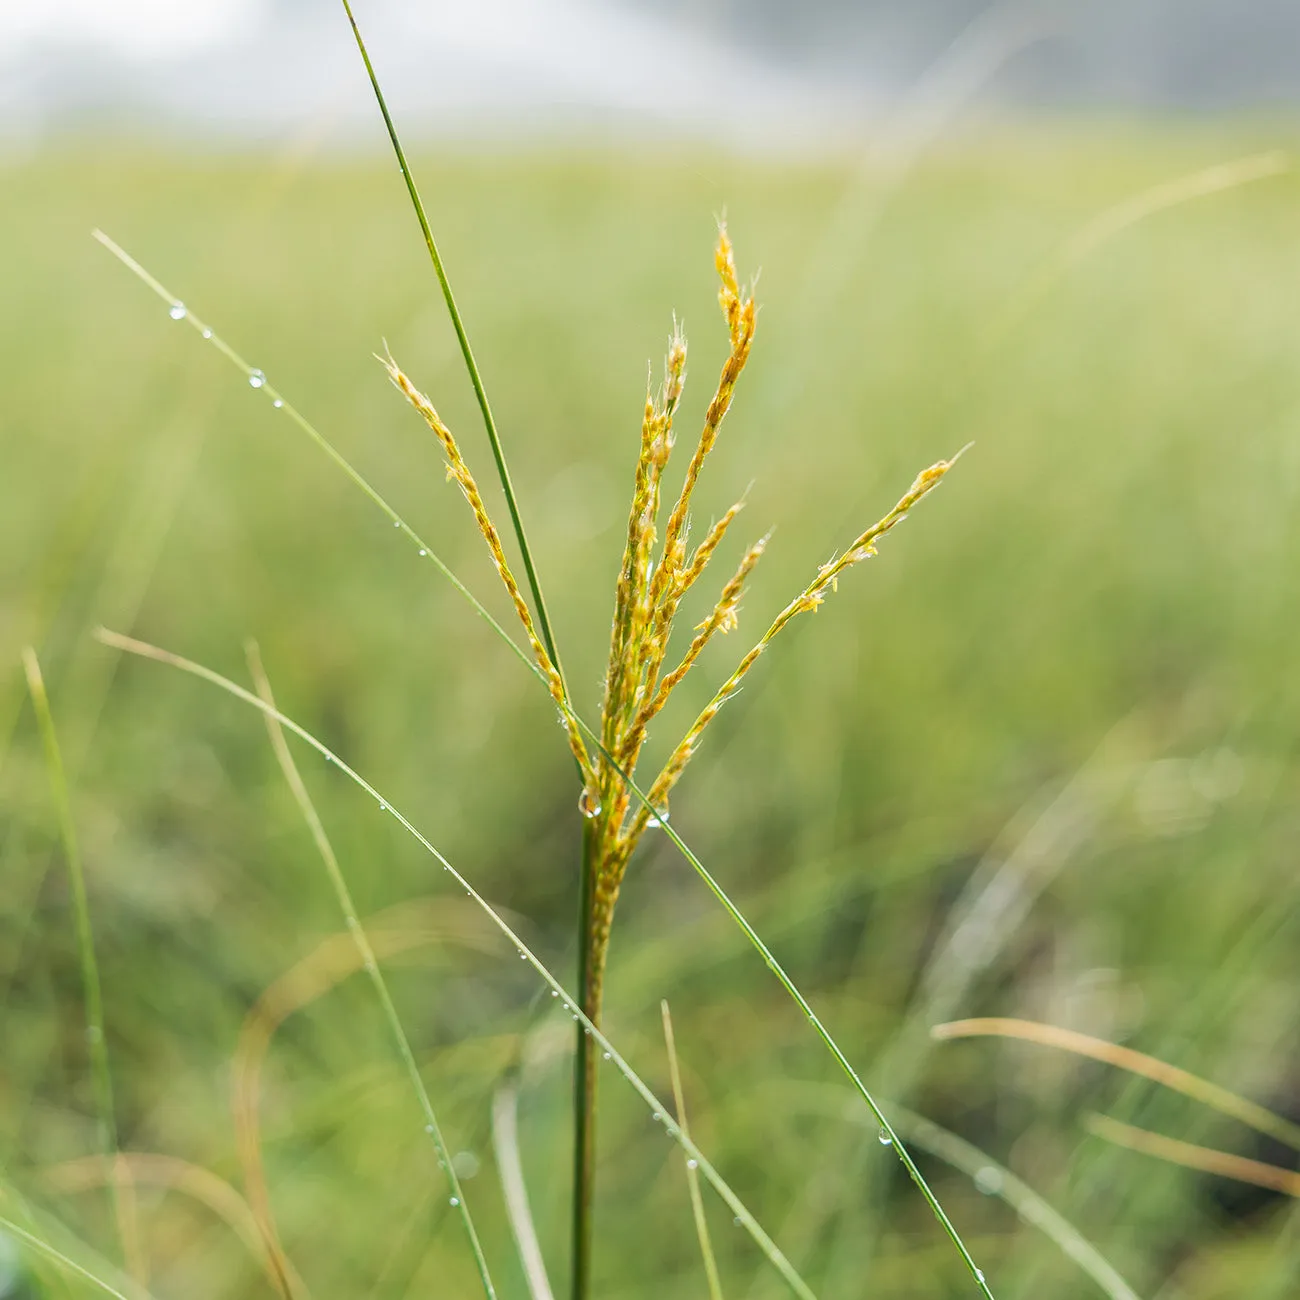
(466, 1164)
(587, 806)
(736, 1220)
(988, 1180)
(554, 993)
(455, 1200)
(884, 1139)
(207, 333)
(523, 956)
(656, 820)
(397, 523)
(278, 403)
(428, 1128)
(608, 1057)
(979, 1275)
(656, 1117)
(176, 311)
(692, 1163)
(256, 379)
(423, 551)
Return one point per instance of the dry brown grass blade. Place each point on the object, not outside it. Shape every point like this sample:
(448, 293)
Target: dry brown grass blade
(1129, 212)
(1125, 1058)
(1191, 1156)
(170, 1173)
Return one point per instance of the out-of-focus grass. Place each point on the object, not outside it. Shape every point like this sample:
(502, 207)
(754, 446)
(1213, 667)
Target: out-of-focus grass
(1106, 586)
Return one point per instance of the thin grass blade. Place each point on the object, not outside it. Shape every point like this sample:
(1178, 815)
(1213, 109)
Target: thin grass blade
(692, 1174)
(101, 1076)
(480, 393)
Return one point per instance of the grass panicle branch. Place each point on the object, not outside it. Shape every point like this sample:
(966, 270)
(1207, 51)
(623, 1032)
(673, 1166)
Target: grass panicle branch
(459, 471)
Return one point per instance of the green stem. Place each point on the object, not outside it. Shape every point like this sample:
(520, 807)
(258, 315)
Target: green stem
(584, 1069)
(489, 423)
(98, 1048)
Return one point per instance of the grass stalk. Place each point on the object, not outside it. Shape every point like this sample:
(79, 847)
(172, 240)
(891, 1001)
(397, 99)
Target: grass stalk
(585, 1074)
(462, 337)
(101, 1076)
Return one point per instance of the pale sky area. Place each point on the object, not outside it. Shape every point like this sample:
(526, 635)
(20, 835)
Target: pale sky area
(139, 29)
(252, 66)
(755, 74)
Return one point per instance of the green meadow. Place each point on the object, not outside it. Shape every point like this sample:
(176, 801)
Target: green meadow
(1037, 759)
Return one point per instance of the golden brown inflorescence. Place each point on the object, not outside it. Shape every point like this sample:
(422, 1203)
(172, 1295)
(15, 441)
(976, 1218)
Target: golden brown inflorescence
(653, 580)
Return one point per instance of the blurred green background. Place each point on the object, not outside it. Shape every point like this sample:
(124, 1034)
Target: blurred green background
(1038, 759)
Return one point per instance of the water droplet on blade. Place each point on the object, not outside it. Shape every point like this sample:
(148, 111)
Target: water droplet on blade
(884, 1139)
(176, 311)
(256, 379)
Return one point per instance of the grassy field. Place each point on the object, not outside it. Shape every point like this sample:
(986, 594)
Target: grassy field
(1067, 688)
